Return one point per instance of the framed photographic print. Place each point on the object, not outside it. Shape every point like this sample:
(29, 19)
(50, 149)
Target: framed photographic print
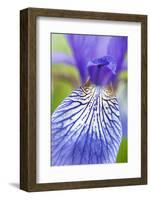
(83, 93)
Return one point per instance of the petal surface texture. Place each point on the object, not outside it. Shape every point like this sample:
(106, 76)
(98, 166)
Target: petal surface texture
(86, 128)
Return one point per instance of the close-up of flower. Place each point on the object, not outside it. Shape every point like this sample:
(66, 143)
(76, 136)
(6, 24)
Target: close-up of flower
(89, 123)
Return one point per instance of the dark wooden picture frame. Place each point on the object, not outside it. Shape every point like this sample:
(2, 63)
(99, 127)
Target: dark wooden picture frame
(28, 98)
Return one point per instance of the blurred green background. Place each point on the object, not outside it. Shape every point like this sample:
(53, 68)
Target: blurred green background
(65, 79)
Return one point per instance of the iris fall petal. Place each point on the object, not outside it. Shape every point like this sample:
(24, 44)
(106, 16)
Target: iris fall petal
(86, 128)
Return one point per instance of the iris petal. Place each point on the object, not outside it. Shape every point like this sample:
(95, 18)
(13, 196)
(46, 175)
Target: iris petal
(102, 71)
(117, 48)
(86, 128)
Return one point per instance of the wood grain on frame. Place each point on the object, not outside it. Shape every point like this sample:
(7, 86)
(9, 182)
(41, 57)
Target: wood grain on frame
(28, 98)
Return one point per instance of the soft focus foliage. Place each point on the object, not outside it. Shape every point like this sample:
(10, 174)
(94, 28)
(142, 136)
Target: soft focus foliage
(122, 154)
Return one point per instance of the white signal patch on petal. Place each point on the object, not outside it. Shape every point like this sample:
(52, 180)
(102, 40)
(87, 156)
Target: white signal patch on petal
(86, 128)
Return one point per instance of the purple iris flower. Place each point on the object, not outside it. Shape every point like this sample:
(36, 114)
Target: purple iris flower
(87, 49)
(86, 126)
